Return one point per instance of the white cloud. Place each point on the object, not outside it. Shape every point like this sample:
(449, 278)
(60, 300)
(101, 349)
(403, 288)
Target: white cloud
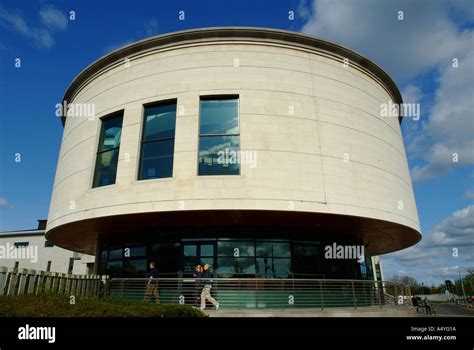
(450, 128)
(426, 40)
(435, 256)
(455, 231)
(426, 37)
(412, 94)
(469, 194)
(3, 202)
(51, 19)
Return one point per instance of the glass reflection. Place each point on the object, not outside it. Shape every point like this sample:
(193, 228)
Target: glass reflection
(219, 117)
(212, 159)
(219, 140)
(157, 151)
(108, 152)
(235, 248)
(236, 267)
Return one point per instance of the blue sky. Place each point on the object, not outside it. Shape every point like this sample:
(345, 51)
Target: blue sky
(417, 52)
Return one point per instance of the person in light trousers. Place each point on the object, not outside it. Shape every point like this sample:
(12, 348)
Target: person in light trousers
(206, 291)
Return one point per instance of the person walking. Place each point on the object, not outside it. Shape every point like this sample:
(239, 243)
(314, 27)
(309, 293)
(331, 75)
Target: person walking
(427, 306)
(414, 301)
(206, 291)
(198, 285)
(152, 285)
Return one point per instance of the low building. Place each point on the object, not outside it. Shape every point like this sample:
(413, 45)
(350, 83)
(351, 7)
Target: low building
(44, 256)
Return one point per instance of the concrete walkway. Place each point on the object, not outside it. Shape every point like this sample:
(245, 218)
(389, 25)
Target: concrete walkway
(311, 312)
(450, 310)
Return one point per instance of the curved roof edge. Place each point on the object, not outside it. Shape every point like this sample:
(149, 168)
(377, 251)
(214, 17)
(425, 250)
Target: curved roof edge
(215, 34)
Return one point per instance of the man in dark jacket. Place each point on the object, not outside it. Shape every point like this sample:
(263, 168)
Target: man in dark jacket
(414, 301)
(152, 285)
(198, 285)
(206, 291)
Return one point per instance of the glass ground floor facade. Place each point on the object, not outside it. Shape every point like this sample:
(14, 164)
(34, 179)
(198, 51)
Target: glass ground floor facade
(232, 253)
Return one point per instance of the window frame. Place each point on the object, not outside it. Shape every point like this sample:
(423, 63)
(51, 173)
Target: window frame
(142, 135)
(101, 135)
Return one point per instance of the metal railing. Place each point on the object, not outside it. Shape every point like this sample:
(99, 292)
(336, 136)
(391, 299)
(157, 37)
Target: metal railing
(265, 293)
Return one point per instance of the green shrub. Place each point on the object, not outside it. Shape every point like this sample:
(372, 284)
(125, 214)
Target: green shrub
(52, 305)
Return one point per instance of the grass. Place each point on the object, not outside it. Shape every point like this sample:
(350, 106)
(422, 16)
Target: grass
(53, 305)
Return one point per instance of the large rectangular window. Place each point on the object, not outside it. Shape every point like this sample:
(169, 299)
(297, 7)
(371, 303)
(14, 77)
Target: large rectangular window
(108, 151)
(157, 148)
(219, 136)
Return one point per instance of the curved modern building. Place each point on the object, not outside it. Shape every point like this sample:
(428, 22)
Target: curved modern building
(250, 149)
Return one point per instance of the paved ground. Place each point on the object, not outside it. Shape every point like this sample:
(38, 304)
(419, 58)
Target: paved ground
(449, 310)
(386, 311)
(444, 310)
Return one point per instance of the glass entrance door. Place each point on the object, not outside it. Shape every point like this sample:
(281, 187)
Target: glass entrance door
(198, 253)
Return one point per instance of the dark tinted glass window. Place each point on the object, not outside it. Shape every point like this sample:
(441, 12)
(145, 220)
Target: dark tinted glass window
(273, 249)
(217, 154)
(157, 149)
(219, 136)
(108, 151)
(236, 248)
(281, 268)
(207, 250)
(166, 257)
(114, 268)
(220, 116)
(135, 267)
(160, 122)
(134, 251)
(236, 267)
(190, 250)
(115, 254)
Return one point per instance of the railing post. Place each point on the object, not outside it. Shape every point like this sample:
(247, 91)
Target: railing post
(106, 285)
(80, 285)
(87, 286)
(39, 282)
(379, 292)
(84, 286)
(22, 275)
(395, 294)
(3, 279)
(402, 293)
(93, 285)
(62, 283)
(12, 285)
(239, 302)
(33, 282)
(55, 282)
(47, 281)
(322, 294)
(74, 284)
(67, 286)
(354, 295)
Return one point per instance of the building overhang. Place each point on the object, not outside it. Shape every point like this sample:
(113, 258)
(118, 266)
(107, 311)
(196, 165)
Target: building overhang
(379, 237)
